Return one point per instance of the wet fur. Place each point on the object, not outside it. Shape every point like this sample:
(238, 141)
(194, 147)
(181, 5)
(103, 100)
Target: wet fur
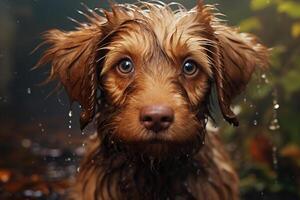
(125, 161)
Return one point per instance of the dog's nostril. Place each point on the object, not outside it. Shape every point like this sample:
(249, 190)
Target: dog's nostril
(147, 119)
(157, 117)
(166, 119)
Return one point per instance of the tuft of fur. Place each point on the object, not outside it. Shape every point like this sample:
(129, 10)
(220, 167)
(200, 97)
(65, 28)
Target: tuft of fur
(125, 161)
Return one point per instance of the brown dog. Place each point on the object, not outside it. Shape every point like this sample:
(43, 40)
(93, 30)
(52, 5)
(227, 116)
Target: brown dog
(155, 69)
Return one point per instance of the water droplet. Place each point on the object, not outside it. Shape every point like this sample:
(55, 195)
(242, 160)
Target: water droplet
(70, 113)
(264, 76)
(274, 127)
(68, 159)
(82, 133)
(26, 143)
(274, 155)
(274, 124)
(255, 122)
(28, 90)
(78, 169)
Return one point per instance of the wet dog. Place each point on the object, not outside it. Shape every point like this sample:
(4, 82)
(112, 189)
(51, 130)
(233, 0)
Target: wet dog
(145, 73)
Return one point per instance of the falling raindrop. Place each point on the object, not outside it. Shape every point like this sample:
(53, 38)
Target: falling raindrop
(274, 155)
(274, 124)
(61, 103)
(70, 124)
(276, 106)
(41, 127)
(265, 78)
(28, 90)
(255, 122)
(26, 143)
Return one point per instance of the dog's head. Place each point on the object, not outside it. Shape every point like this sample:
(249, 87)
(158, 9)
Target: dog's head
(154, 68)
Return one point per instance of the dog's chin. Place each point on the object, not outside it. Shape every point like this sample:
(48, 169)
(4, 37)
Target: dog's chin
(161, 148)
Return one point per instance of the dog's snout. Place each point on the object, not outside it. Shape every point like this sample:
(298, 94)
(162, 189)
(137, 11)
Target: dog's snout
(157, 117)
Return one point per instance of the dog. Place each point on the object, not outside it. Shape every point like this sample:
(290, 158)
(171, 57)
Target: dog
(145, 73)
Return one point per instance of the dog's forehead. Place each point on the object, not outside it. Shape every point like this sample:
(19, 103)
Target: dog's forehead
(159, 30)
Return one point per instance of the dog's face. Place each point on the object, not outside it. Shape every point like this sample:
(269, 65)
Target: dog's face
(155, 68)
(157, 78)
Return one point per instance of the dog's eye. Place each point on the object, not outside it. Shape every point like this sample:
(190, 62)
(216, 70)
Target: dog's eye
(125, 66)
(190, 68)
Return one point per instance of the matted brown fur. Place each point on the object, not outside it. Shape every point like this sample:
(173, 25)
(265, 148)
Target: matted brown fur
(125, 160)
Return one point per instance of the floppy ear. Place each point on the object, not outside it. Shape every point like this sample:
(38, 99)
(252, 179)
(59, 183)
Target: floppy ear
(73, 62)
(236, 57)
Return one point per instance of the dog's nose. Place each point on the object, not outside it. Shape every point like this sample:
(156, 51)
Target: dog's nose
(156, 117)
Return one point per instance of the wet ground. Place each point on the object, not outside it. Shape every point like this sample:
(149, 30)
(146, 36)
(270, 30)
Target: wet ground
(38, 162)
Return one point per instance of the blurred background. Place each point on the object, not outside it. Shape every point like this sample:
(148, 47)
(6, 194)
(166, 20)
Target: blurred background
(40, 139)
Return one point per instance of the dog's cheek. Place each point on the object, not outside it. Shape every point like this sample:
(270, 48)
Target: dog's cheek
(185, 127)
(196, 89)
(127, 126)
(114, 87)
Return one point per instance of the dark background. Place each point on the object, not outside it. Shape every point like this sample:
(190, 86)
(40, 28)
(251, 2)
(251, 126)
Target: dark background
(40, 143)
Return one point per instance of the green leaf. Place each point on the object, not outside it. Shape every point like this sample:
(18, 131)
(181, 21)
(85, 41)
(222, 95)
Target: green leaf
(290, 82)
(250, 24)
(290, 8)
(295, 30)
(260, 4)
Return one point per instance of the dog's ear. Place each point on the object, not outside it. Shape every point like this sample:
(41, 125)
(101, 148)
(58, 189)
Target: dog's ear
(73, 62)
(237, 56)
(234, 56)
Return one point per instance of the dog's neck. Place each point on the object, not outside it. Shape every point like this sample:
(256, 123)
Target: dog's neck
(107, 170)
(138, 175)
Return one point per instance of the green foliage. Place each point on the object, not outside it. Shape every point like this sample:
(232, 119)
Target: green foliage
(260, 4)
(250, 24)
(291, 8)
(269, 138)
